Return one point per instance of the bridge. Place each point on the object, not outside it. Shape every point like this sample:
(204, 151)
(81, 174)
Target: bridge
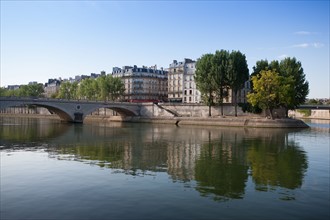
(320, 107)
(72, 110)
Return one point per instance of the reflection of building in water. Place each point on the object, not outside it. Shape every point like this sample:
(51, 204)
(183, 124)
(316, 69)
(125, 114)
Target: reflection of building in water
(181, 160)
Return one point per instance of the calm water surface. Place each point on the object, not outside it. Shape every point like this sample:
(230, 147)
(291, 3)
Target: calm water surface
(52, 170)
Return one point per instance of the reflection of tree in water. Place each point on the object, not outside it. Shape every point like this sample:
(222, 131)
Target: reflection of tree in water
(275, 162)
(217, 158)
(220, 172)
(29, 129)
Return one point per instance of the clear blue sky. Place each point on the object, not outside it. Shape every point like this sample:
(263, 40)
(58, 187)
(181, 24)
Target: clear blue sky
(52, 39)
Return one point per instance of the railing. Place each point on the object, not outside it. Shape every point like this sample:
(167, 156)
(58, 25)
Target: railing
(15, 98)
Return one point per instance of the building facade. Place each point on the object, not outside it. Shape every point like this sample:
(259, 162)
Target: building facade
(143, 84)
(52, 87)
(181, 83)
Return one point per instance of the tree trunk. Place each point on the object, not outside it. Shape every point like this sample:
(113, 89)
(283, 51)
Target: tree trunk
(271, 113)
(221, 101)
(235, 102)
(210, 102)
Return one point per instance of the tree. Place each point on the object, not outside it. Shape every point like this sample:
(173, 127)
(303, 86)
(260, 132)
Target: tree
(296, 89)
(290, 67)
(238, 74)
(86, 89)
(116, 87)
(204, 79)
(33, 90)
(260, 65)
(68, 90)
(267, 88)
(103, 86)
(220, 67)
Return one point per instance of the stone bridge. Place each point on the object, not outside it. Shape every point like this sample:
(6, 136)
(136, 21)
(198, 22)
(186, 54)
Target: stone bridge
(72, 110)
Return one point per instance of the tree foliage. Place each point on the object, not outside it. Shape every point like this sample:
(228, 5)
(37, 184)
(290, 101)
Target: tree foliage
(205, 79)
(217, 73)
(290, 67)
(31, 90)
(270, 90)
(296, 87)
(220, 66)
(102, 88)
(238, 74)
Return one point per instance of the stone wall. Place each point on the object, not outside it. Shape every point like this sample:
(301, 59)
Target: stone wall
(186, 110)
(314, 114)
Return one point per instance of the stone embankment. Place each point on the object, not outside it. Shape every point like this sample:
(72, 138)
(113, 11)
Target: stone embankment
(179, 115)
(225, 122)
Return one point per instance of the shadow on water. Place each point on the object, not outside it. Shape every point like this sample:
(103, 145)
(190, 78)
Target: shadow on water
(217, 162)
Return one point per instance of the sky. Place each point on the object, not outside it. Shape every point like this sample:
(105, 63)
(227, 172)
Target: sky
(51, 39)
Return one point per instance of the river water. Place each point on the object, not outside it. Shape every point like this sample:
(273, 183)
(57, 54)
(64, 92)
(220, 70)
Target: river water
(53, 170)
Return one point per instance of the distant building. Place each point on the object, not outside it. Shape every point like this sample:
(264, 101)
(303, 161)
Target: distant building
(94, 75)
(52, 87)
(13, 87)
(78, 78)
(181, 83)
(143, 84)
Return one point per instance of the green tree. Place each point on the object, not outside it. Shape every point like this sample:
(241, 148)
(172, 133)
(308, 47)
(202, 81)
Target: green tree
(238, 74)
(205, 80)
(33, 90)
(3, 91)
(260, 65)
(116, 87)
(86, 90)
(103, 86)
(68, 90)
(267, 88)
(290, 67)
(220, 68)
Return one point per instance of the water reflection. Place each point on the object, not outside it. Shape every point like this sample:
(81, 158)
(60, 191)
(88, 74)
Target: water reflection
(216, 161)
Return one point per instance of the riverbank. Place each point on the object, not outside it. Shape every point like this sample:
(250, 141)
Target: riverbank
(227, 121)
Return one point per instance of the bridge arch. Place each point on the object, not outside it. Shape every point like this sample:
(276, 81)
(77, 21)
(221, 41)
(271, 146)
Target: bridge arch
(62, 113)
(120, 110)
(71, 110)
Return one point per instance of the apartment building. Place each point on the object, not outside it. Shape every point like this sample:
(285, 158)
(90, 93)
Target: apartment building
(143, 84)
(181, 83)
(51, 87)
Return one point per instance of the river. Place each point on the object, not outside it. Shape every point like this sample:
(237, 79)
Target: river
(54, 170)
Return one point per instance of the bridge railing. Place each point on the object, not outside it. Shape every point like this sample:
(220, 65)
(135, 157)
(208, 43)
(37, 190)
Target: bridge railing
(19, 98)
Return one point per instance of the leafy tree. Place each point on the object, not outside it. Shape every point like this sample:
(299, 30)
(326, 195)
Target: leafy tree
(103, 86)
(294, 78)
(205, 79)
(68, 90)
(267, 88)
(290, 67)
(86, 89)
(33, 90)
(116, 87)
(3, 91)
(260, 65)
(238, 74)
(220, 66)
